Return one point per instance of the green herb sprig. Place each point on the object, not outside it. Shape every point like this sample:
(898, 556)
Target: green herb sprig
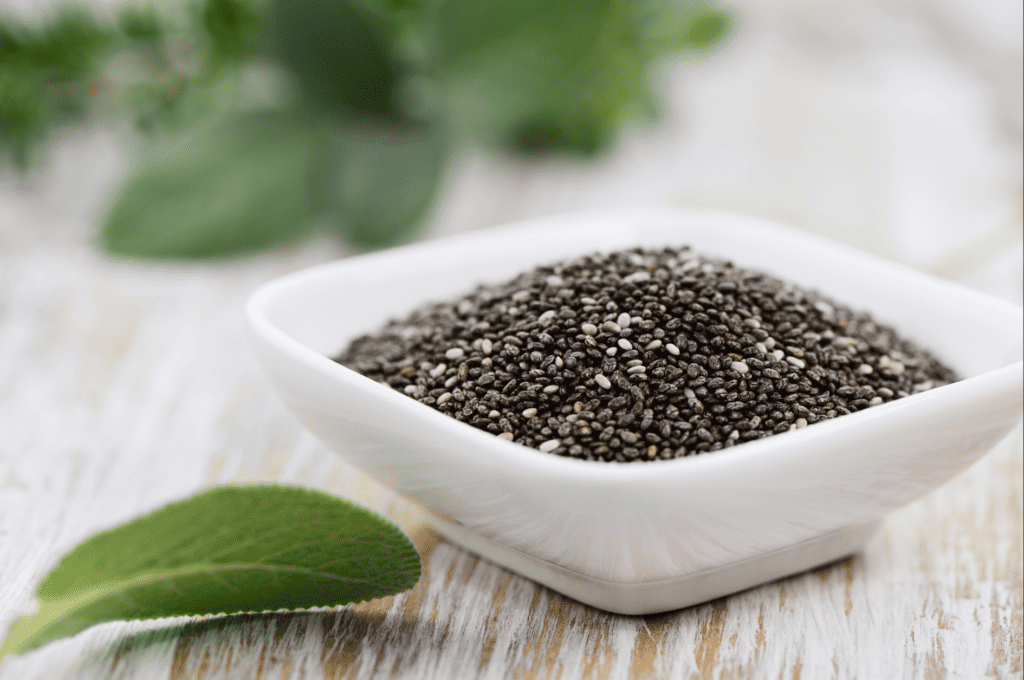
(227, 550)
(377, 95)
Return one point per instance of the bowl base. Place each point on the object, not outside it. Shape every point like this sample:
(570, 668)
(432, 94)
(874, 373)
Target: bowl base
(664, 594)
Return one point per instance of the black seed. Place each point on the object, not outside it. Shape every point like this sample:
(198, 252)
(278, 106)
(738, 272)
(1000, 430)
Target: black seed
(687, 326)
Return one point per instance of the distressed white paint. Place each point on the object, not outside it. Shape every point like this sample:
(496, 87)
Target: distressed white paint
(122, 388)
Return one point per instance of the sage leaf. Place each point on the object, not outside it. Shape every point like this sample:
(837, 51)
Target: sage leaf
(541, 75)
(338, 53)
(229, 549)
(237, 186)
(669, 26)
(231, 27)
(382, 180)
(535, 73)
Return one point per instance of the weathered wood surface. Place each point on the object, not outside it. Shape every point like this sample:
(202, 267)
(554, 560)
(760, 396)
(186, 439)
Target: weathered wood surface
(125, 387)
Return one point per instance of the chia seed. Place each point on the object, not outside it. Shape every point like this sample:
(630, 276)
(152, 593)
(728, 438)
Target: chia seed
(643, 355)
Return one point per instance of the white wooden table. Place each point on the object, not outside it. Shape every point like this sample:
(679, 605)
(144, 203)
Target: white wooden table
(123, 387)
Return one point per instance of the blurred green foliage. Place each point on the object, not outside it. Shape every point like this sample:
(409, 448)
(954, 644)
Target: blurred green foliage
(267, 116)
(47, 76)
(248, 178)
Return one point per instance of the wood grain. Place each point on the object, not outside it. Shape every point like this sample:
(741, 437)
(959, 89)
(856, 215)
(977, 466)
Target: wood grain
(125, 387)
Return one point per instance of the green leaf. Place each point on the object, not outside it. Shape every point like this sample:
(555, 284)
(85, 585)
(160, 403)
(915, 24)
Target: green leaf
(231, 27)
(238, 186)
(537, 73)
(672, 25)
(402, 23)
(226, 550)
(141, 23)
(44, 75)
(540, 74)
(382, 179)
(707, 28)
(339, 54)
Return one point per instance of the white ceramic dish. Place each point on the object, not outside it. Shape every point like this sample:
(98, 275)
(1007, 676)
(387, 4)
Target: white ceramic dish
(645, 537)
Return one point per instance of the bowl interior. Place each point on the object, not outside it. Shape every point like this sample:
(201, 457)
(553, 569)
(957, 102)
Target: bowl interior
(326, 307)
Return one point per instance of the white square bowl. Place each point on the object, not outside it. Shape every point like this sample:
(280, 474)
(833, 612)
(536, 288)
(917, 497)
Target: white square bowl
(638, 538)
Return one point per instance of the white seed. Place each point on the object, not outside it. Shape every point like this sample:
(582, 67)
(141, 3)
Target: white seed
(555, 281)
(546, 317)
(550, 389)
(769, 343)
(865, 369)
(636, 369)
(761, 347)
(603, 381)
(735, 434)
(688, 393)
(494, 414)
(739, 367)
(634, 362)
(588, 300)
(889, 363)
(444, 398)
(486, 346)
(550, 445)
(623, 320)
(558, 362)
(612, 326)
(438, 370)
(625, 344)
(753, 323)
(637, 277)
(612, 351)
(529, 413)
(412, 389)
(507, 436)
(486, 361)
(454, 353)
(465, 307)
(778, 354)
(653, 344)
(521, 296)
(801, 422)
(672, 349)
(875, 401)
(589, 329)
(451, 382)
(796, 362)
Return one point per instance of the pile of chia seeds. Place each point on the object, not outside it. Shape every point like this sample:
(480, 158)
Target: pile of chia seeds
(643, 355)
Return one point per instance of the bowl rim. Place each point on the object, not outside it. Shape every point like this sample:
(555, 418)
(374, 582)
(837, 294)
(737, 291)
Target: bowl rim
(510, 456)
